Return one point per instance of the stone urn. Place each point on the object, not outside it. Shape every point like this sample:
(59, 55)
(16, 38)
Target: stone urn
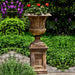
(37, 47)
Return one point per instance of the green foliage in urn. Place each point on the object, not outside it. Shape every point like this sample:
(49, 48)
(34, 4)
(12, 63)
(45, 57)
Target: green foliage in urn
(37, 8)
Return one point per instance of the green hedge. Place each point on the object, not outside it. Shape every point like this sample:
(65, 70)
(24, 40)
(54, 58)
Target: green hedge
(16, 42)
(61, 50)
(60, 53)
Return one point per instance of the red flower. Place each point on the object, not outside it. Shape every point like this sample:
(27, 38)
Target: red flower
(47, 4)
(38, 4)
(28, 5)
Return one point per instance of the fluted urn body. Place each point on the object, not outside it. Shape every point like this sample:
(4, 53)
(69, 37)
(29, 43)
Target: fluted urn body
(37, 24)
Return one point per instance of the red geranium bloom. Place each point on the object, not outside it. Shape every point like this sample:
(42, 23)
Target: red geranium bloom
(38, 4)
(47, 4)
(28, 5)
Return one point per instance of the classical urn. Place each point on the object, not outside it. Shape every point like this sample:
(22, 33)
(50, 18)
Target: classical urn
(37, 47)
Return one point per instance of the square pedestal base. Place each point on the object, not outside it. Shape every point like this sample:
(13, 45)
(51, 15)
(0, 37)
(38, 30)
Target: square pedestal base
(41, 71)
(38, 56)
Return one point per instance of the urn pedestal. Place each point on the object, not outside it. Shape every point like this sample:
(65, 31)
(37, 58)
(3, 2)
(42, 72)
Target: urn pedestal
(38, 55)
(37, 47)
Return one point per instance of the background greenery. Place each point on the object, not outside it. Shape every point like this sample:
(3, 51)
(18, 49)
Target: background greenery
(60, 9)
(59, 37)
(60, 53)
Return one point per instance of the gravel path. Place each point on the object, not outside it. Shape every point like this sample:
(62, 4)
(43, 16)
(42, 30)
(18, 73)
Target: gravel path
(23, 59)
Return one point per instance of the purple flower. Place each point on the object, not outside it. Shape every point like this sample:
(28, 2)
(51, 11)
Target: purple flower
(18, 9)
(21, 9)
(5, 9)
(3, 12)
(15, 7)
(11, 2)
(69, 19)
(20, 3)
(11, 6)
(17, 1)
(3, 3)
(20, 12)
(56, 19)
(8, 7)
(6, 1)
(1, 9)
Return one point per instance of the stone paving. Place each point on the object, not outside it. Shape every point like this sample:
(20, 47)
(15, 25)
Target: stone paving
(23, 59)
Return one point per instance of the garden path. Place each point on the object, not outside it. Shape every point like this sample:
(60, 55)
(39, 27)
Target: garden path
(23, 59)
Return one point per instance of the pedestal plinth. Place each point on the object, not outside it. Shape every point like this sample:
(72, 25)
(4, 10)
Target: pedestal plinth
(38, 55)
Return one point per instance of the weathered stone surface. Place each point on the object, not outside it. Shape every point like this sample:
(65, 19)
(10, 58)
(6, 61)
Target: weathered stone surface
(38, 55)
(37, 24)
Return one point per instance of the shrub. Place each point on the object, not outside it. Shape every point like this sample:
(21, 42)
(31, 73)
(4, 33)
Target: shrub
(61, 51)
(11, 67)
(12, 26)
(18, 43)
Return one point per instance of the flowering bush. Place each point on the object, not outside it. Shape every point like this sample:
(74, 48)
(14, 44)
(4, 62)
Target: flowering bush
(37, 8)
(12, 8)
